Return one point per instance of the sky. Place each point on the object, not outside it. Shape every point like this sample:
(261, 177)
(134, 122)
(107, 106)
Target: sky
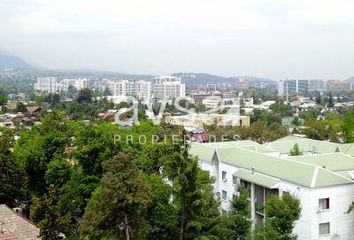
(266, 38)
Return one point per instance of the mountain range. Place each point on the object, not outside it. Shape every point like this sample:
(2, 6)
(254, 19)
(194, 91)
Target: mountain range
(9, 61)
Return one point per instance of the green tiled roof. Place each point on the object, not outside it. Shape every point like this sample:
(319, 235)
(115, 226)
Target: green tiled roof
(327, 178)
(331, 161)
(203, 151)
(257, 178)
(347, 148)
(295, 171)
(305, 145)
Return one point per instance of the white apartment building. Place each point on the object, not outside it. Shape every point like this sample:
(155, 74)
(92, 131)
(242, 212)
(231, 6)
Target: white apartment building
(322, 179)
(82, 83)
(139, 89)
(212, 101)
(168, 87)
(47, 85)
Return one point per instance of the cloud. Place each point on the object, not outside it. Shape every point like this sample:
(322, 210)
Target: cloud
(273, 38)
(324, 12)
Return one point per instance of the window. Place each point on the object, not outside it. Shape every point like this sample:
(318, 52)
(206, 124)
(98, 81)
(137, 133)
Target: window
(224, 195)
(234, 179)
(223, 175)
(324, 229)
(323, 204)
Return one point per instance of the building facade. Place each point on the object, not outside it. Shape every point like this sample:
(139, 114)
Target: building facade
(168, 87)
(47, 85)
(322, 181)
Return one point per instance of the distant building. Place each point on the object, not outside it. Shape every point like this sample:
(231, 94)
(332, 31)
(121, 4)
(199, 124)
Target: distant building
(318, 85)
(293, 86)
(168, 87)
(338, 86)
(139, 89)
(79, 84)
(212, 101)
(241, 85)
(47, 85)
(199, 120)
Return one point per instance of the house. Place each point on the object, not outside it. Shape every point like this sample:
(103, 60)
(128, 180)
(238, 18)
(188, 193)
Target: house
(323, 180)
(33, 111)
(15, 227)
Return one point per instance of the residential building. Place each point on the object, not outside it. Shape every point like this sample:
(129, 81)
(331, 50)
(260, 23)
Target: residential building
(338, 86)
(212, 101)
(47, 85)
(139, 89)
(322, 179)
(293, 86)
(199, 120)
(15, 227)
(168, 87)
(318, 85)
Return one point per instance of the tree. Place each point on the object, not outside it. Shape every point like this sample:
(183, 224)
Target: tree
(117, 206)
(58, 173)
(319, 99)
(197, 208)
(20, 107)
(348, 126)
(76, 193)
(238, 219)
(330, 103)
(3, 100)
(11, 174)
(295, 151)
(45, 212)
(71, 91)
(281, 214)
(161, 214)
(106, 92)
(85, 96)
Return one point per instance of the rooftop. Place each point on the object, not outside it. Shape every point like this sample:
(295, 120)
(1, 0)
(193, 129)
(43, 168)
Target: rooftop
(307, 171)
(14, 227)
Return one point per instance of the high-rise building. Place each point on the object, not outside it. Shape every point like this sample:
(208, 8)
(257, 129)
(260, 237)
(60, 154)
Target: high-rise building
(79, 84)
(293, 86)
(47, 84)
(168, 87)
(318, 85)
(139, 89)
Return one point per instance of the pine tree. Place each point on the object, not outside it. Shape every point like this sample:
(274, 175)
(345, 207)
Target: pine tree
(295, 151)
(330, 100)
(117, 207)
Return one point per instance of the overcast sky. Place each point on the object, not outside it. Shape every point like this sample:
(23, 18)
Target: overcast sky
(265, 38)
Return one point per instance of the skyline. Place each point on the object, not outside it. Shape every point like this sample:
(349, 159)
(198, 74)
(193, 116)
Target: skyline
(264, 38)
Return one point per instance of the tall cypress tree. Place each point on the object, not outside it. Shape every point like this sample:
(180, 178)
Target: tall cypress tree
(117, 207)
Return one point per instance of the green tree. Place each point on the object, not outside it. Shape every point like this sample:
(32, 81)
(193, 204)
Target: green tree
(330, 102)
(11, 173)
(76, 193)
(20, 107)
(118, 205)
(197, 208)
(348, 126)
(58, 172)
(281, 214)
(45, 212)
(85, 96)
(161, 214)
(295, 151)
(240, 215)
